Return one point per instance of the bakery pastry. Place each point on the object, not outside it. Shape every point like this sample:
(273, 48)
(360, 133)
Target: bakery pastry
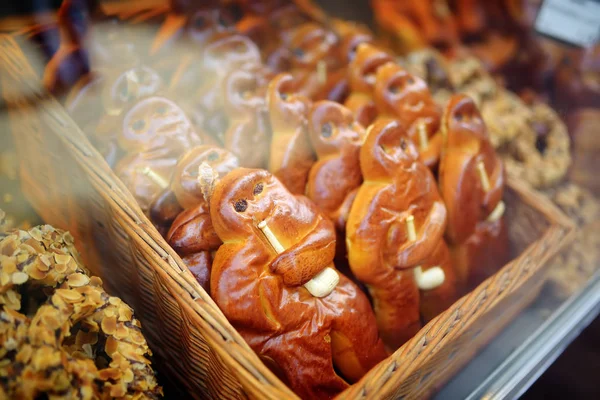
(291, 155)
(361, 80)
(471, 180)
(248, 133)
(394, 235)
(315, 344)
(335, 176)
(400, 95)
(191, 234)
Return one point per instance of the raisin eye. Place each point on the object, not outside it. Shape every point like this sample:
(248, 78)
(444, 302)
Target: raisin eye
(410, 80)
(223, 21)
(298, 52)
(139, 125)
(394, 89)
(123, 92)
(352, 52)
(403, 144)
(162, 110)
(283, 96)
(458, 117)
(258, 189)
(241, 205)
(213, 156)
(326, 130)
(199, 22)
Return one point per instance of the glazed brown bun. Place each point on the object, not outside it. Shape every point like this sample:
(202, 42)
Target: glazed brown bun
(479, 246)
(335, 177)
(153, 134)
(261, 292)
(248, 133)
(191, 235)
(397, 186)
(361, 80)
(291, 155)
(400, 95)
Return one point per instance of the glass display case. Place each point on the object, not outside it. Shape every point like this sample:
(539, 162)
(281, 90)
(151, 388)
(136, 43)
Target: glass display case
(122, 121)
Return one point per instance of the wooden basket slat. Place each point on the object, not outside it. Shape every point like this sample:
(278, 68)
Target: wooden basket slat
(197, 346)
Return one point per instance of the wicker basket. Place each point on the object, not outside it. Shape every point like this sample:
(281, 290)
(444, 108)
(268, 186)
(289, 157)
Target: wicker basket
(72, 187)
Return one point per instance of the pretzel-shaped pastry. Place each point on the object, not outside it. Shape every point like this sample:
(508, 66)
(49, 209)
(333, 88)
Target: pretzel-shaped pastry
(259, 289)
(361, 79)
(395, 234)
(471, 179)
(291, 154)
(400, 95)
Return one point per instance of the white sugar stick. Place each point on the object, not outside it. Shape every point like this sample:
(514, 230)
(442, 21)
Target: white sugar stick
(156, 178)
(497, 213)
(322, 72)
(485, 180)
(423, 139)
(319, 286)
(433, 277)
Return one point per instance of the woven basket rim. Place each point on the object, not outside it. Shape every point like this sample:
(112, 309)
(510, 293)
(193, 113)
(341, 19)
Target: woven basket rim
(219, 333)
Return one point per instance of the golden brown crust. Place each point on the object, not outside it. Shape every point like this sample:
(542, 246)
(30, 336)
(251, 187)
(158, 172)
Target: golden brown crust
(244, 99)
(336, 138)
(291, 155)
(396, 185)
(466, 144)
(479, 247)
(259, 290)
(185, 183)
(400, 95)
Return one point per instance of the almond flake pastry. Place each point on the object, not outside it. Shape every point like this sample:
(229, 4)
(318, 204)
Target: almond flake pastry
(61, 334)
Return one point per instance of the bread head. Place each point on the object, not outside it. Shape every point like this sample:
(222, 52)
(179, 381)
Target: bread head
(386, 150)
(364, 66)
(332, 126)
(185, 183)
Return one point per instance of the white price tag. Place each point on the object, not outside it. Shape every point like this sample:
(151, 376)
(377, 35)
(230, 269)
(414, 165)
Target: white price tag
(573, 21)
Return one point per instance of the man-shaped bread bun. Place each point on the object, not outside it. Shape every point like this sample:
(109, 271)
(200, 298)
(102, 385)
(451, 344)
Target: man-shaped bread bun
(400, 95)
(192, 235)
(244, 98)
(395, 234)
(361, 79)
(314, 61)
(471, 180)
(153, 134)
(273, 244)
(335, 177)
(291, 155)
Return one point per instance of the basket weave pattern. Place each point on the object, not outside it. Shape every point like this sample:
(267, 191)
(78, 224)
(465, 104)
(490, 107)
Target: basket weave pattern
(71, 187)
